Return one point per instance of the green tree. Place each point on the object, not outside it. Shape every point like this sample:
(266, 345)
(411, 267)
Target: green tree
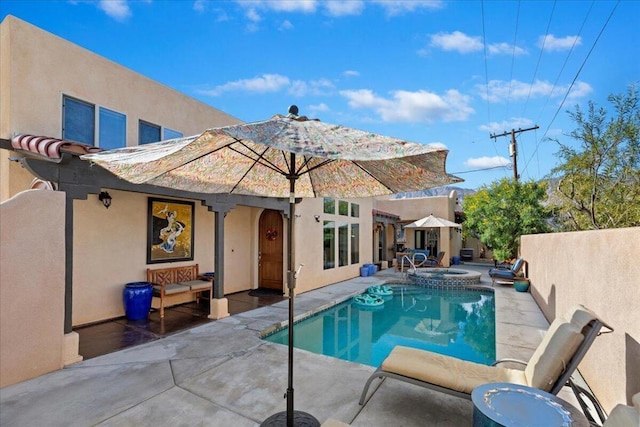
(502, 212)
(598, 182)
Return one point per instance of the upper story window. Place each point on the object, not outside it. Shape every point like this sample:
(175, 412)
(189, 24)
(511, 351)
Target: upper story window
(148, 133)
(355, 210)
(78, 120)
(329, 205)
(171, 134)
(113, 129)
(79, 124)
(343, 207)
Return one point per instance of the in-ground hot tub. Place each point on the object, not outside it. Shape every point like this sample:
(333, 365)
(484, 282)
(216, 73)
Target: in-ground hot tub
(446, 277)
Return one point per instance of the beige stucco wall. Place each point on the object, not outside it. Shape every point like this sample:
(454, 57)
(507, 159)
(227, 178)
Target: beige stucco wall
(110, 251)
(600, 270)
(410, 210)
(31, 285)
(37, 68)
(413, 209)
(309, 243)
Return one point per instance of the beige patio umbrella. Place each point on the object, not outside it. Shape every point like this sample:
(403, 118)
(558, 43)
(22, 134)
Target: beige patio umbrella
(285, 156)
(432, 222)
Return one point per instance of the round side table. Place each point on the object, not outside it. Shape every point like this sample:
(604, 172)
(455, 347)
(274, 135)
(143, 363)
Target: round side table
(505, 404)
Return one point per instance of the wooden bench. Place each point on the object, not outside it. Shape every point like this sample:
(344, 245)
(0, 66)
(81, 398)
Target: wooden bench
(177, 280)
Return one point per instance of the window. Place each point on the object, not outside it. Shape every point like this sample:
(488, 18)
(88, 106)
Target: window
(355, 243)
(148, 133)
(343, 244)
(355, 210)
(329, 205)
(329, 244)
(113, 129)
(341, 239)
(78, 121)
(343, 207)
(171, 134)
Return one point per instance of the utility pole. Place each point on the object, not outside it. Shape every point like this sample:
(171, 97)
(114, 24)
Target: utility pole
(513, 152)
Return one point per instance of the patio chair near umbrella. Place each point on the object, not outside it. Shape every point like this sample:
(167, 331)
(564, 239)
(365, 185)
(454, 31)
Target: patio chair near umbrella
(285, 156)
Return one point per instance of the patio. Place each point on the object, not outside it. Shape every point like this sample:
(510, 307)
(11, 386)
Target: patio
(220, 374)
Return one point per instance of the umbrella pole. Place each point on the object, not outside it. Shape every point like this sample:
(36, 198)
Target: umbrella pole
(291, 283)
(290, 416)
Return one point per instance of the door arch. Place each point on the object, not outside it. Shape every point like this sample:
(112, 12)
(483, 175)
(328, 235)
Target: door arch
(270, 250)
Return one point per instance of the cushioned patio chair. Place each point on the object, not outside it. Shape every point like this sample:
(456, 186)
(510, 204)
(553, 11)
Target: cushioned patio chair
(550, 367)
(625, 416)
(432, 261)
(507, 275)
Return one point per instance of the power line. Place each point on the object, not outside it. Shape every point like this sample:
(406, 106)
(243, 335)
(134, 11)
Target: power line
(486, 69)
(513, 151)
(481, 170)
(513, 58)
(535, 73)
(575, 78)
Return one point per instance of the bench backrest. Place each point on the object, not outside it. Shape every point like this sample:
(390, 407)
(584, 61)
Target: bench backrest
(166, 276)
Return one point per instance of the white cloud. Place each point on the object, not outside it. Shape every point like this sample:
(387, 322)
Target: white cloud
(507, 125)
(305, 6)
(502, 91)
(262, 84)
(462, 43)
(438, 145)
(319, 108)
(487, 162)
(351, 73)
(505, 49)
(286, 25)
(456, 41)
(117, 9)
(405, 106)
(199, 5)
(253, 15)
(552, 43)
(314, 87)
(343, 7)
(399, 7)
(580, 90)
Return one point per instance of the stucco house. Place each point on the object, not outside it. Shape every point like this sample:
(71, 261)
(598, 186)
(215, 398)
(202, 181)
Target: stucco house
(73, 256)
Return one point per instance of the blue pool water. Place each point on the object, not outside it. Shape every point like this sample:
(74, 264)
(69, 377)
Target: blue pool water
(455, 322)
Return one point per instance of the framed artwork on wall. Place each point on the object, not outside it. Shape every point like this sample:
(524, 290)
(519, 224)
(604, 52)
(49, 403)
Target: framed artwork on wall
(170, 230)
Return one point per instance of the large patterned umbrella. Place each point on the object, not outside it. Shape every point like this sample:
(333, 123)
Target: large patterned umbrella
(285, 156)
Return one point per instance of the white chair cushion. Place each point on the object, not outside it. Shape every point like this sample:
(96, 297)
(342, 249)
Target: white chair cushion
(553, 354)
(445, 371)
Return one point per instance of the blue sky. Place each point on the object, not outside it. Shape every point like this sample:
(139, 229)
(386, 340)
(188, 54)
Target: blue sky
(434, 72)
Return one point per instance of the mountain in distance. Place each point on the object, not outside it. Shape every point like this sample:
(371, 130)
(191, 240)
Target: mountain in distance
(438, 191)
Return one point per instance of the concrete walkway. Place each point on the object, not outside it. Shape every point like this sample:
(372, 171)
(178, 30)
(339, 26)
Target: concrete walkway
(223, 374)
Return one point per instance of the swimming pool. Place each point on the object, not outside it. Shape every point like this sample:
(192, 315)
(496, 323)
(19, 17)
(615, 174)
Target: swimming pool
(457, 322)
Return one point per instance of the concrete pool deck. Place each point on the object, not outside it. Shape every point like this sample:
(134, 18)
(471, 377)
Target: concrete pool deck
(223, 374)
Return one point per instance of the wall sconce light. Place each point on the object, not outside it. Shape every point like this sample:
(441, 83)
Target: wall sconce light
(317, 217)
(105, 198)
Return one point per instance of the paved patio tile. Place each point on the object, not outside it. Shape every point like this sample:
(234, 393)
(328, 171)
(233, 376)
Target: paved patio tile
(222, 374)
(177, 407)
(83, 397)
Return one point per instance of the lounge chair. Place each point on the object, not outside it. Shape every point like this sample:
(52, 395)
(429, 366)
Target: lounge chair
(507, 275)
(625, 416)
(550, 367)
(432, 261)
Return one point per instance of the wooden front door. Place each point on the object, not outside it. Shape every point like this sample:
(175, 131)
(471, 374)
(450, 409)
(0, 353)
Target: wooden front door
(270, 255)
